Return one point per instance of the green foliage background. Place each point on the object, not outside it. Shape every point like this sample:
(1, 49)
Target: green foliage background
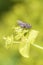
(30, 11)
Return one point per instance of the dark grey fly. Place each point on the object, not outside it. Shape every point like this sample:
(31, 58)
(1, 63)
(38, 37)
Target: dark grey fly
(24, 25)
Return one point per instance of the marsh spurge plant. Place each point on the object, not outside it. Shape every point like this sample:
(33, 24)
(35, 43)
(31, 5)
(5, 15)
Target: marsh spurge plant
(24, 38)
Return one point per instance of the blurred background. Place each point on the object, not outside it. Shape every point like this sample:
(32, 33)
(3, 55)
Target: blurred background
(30, 11)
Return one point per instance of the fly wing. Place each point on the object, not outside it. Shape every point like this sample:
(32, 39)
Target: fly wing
(21, 23)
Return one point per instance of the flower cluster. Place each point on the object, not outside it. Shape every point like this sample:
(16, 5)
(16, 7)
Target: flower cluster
(24, 37)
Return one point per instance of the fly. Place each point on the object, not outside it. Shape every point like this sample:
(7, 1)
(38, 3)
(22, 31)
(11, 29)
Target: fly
(24, 25)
